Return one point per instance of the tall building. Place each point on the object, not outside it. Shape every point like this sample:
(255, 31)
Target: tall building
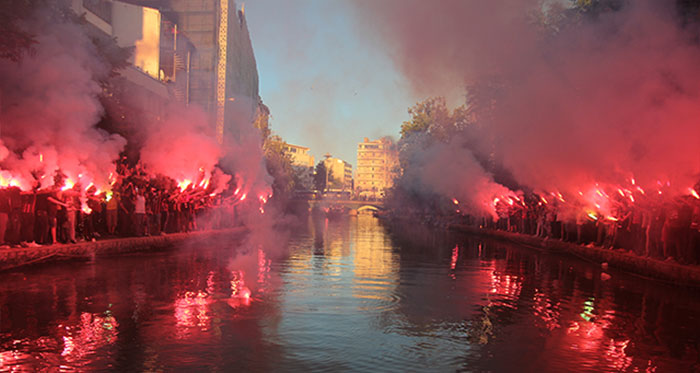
(338, 175)
(303, 165)
(377, 167)
(158, 70)
(299, 154)
(223, 72)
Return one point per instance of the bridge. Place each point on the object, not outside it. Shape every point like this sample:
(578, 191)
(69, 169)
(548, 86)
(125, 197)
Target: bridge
(356, 205)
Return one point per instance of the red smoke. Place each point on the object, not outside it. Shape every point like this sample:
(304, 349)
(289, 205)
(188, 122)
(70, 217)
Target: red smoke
(585, 103)
(48, 110)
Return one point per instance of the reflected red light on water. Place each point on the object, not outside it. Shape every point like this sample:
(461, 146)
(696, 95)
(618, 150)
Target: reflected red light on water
(505, 285)
(240, 293)
(263, 268)
(92, 333)
(546, 311)
(191, 309)
(617, 355)
(573, 328)
(455, 256)
(68, 346)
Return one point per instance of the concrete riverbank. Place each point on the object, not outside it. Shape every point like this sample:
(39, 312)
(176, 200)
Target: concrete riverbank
(17, 257)
(681, 274)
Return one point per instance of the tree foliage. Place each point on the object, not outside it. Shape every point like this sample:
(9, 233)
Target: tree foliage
(262, 120)
(279, 166)
(15, 38)
(321, 176)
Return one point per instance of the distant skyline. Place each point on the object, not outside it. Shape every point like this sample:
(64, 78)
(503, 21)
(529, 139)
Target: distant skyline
(327, 87)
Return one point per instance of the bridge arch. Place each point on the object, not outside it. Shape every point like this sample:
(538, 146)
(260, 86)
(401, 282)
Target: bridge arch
(367, 208)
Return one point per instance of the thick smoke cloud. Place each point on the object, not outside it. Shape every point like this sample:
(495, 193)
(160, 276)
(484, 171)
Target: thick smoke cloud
(49, 108)
(582, 100)
(182, 147)
(451, 170)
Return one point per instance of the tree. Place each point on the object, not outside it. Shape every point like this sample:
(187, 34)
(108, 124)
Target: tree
(279, 166)
(15, 39)
(262, 120)
(430, 115)
(321, 176)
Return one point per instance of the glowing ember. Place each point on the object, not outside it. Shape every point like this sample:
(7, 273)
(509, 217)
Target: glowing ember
(592, 215)
(87, 210)
(108, 197)
(41, 157)
(454, 200)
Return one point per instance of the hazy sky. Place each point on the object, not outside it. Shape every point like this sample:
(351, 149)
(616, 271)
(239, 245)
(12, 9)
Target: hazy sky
(327, 85)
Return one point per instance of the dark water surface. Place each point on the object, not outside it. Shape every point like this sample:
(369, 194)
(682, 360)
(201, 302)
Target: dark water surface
(348, 297)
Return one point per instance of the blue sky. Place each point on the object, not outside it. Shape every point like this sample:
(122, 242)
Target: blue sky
(326, 85)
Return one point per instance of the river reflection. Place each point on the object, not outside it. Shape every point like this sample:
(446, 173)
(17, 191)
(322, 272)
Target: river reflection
(348, 295)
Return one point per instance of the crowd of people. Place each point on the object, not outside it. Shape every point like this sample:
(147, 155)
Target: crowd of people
(136, 205)
(662, 228)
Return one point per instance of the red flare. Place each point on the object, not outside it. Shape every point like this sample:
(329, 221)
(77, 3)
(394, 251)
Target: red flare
(68, 185)
(694, 193)
(184, 184)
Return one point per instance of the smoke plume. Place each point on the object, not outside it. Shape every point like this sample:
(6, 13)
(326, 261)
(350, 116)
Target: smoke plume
(583, 100)
(49, 108)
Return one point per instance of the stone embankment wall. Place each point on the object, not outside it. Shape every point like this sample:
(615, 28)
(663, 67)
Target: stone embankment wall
(16, 257)
(687, 275)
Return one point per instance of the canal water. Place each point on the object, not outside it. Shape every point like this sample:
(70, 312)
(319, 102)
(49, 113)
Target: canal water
(345, 295)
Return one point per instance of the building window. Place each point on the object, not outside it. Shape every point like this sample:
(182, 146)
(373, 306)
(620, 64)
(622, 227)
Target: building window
(100, 8)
